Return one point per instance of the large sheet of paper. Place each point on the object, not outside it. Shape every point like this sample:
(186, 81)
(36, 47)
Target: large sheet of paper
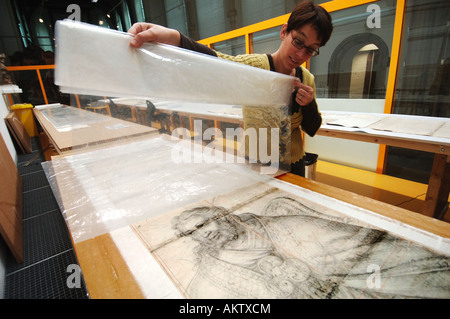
(72, 128)
(103, 63)
(275, 240)
(398, 124)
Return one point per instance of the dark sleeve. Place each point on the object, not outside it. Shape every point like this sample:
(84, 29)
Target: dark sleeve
(312, 119)
(190, 44)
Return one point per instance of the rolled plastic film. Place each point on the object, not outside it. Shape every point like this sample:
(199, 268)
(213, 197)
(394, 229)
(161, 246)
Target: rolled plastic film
(103, 63)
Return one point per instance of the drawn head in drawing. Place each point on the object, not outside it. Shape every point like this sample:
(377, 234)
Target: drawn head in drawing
(207, 225)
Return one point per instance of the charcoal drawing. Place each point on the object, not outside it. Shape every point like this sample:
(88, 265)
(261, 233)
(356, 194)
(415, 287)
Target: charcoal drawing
(276, 246)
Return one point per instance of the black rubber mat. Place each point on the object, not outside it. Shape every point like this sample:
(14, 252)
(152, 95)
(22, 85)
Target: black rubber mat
(30, 168)
(34, 180)
(43, 236)
(39, 201)
(49, 270)
(47, 279)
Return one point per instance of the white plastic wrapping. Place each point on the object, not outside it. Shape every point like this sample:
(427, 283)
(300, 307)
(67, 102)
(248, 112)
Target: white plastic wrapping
(65, 118)
(104, 190)
(99, 61)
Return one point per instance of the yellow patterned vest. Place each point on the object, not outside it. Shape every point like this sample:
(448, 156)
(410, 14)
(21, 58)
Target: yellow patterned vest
(249, 113)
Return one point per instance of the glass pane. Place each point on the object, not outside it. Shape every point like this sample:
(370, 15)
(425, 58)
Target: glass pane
(354, 64)
(234, 46)
(176, 15)
(253, 11)
(210, 18)
(126, 16)
(139, 10)
(423, 80)
(28, 81)
(218, 16)
(267, 41)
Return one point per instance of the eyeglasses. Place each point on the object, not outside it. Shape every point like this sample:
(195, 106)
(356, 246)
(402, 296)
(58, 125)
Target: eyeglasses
(300, 45)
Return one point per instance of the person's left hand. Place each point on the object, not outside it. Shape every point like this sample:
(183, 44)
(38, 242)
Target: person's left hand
(305, 93)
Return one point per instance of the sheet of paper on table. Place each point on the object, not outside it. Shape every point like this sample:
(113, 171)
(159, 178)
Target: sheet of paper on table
(293, 243)
(395, 123)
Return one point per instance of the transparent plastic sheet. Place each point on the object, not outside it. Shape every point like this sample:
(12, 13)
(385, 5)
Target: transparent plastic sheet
(66, 118)
(103, 63)
(104, 190)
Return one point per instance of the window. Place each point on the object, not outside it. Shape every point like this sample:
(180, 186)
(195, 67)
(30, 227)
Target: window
(176, 15)
(423, 80)
(267, 41)
(351, 74)
(139, 11)
(355, 61)
(234, 46)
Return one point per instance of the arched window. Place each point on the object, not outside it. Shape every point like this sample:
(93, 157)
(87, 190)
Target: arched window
(358, 68)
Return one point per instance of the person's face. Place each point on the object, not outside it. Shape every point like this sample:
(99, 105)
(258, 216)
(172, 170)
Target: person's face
(292, 57)
(216, 232)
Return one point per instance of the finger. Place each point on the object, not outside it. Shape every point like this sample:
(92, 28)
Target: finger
(141, 37)
(135, 42)
(132, 30)
(306, 88)
(299, 97)
(136, 28)
(302, 92)
(297, 83)
(303, 98)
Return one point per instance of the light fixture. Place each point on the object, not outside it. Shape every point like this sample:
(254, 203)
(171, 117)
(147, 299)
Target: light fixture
(40, 12)
(113, 8)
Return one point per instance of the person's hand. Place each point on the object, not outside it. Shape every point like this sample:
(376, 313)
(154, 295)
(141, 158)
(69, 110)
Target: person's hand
(305, 93)
(149, 32)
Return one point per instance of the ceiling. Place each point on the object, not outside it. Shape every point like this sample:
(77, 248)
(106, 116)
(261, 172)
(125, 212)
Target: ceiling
(57, 9)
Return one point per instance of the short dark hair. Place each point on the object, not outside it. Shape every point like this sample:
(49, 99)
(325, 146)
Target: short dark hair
(307, 12)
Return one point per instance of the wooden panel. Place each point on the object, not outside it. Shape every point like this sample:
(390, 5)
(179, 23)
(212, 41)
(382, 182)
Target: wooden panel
(106, 273)
(107, 130)
(18, 132)
(438, 187)
(420, 221)
(11, 203)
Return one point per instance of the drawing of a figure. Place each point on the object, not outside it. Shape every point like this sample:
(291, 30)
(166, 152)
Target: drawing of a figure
(292, 251)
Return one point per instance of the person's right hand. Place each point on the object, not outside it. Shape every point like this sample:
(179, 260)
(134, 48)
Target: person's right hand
(149, 32)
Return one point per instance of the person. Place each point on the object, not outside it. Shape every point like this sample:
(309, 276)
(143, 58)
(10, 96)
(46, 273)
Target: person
(308, 28)
(290, 250)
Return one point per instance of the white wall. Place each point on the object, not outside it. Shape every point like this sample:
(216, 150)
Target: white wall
(341, 151)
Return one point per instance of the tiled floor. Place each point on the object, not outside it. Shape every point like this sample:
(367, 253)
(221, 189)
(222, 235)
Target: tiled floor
(48, 250)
